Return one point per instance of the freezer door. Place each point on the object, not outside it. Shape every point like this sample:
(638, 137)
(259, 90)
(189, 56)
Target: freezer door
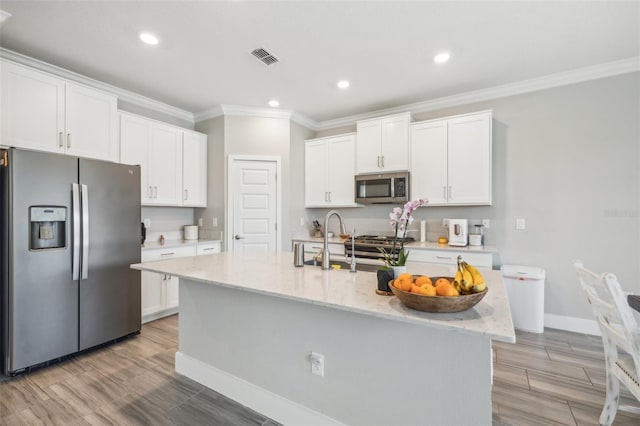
(109, 289)
(41, 298)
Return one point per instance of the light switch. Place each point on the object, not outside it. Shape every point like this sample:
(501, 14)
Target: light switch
(520, 223)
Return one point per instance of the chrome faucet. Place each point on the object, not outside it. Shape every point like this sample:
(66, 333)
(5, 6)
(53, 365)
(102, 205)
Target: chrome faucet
(325, 248)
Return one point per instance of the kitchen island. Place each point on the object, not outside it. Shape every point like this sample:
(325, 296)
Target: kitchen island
(249, 323)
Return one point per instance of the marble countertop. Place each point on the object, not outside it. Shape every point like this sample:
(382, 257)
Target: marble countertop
(414, 245)
(274, 274)
(175, 243)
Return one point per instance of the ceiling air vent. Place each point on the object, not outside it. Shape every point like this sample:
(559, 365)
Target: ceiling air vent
(264, 56)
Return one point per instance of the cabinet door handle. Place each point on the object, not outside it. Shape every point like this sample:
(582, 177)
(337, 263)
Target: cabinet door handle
(68, 140)
(168, 254)
(155, 192)
(444, 258)
(378, 161)
(208, 249)
(444, 192)
(186, 194)
(383, 161)
(60, 142)
(329, 196)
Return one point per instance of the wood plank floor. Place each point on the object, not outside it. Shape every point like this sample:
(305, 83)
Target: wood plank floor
(554, 378)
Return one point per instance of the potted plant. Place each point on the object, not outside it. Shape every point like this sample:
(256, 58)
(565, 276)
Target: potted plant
(400, 219)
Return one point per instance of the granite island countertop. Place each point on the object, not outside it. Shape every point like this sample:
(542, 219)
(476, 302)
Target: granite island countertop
(274, 274)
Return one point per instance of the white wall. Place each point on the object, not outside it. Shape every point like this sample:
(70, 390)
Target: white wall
(567, 160)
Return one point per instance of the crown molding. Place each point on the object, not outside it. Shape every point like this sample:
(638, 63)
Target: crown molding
(248, 111)
(579, 75)
(304, 121)
(122, 94)
(214, 112)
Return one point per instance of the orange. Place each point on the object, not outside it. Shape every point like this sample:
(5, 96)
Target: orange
(441, 280)
(428, 290)
(402, 284)
(446, 289)
(423, 280)
(405, 276)
(415, 289)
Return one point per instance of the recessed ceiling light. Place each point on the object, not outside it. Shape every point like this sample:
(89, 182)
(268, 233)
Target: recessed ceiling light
(149, 38)
(274, 103)
(343, 84)
(441, 58)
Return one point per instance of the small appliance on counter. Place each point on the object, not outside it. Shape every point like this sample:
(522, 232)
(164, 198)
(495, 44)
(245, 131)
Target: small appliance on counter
(458, 232)
(190, 232)
(476, 238)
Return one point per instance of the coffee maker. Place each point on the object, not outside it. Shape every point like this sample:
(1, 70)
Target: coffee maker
(458, 232)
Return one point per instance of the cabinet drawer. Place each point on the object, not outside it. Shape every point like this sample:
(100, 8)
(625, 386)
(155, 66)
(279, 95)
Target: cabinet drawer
(208, 248)
(480, 260)
(168, 253)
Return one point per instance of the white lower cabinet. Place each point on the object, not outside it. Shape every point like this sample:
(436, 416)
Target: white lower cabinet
(160, 291)
(450, 257)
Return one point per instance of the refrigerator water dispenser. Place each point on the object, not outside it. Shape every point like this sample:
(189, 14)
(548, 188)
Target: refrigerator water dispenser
(48, 229)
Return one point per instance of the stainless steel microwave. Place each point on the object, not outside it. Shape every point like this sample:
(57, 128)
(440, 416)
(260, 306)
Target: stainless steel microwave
(382, 188)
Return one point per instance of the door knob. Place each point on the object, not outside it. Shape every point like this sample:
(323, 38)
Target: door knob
(238, 237)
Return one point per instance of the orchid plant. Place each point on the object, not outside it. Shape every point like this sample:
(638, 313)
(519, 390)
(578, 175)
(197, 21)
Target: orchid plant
(400, 219)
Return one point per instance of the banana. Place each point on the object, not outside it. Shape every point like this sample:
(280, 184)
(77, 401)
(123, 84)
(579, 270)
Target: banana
(478, 288)
(467, 280)
(475, 274)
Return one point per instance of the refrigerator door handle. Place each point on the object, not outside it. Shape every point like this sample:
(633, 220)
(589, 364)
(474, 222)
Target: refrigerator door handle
(75, 260)
(85, 232)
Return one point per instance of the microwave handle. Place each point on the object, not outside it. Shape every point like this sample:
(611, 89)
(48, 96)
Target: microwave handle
(393, 187)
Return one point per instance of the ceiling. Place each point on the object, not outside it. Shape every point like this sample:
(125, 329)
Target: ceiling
(384, 48)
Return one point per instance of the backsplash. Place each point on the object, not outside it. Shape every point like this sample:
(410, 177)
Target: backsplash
(167, 221)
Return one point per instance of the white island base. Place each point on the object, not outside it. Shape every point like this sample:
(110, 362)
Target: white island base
(256, 350)
(248, 333)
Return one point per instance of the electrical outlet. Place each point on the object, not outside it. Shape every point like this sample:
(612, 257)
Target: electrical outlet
(486, 223)
(147, 223)
(520, 223)
(200, 224)
(445, 223)
(214, 222)
(317, 364)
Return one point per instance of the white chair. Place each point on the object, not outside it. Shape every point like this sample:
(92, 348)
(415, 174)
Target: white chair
(620, 337)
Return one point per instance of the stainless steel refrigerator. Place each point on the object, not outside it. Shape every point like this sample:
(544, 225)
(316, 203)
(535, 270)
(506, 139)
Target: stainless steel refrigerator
(70, 228)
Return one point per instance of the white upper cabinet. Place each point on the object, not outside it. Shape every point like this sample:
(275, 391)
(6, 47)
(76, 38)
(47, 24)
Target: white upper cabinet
(165, 165)
(383, 144)
(329, 171)
(173, 161)
(451, 160)
(194, 170)
(46, 113)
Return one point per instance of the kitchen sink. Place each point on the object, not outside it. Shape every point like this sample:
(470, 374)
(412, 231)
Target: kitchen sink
(367, 267)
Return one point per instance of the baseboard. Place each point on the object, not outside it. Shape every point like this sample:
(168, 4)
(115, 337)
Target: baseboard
(261, 400)
(160, 314)
(576, 325)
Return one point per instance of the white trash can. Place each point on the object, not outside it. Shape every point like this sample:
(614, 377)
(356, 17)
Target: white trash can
(525, 291)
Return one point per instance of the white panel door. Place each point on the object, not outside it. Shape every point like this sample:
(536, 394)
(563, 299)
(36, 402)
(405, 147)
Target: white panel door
(135, 139)
(470, 159)
(91, 123)
(32, 113)
(194, 169)
(254, 195)
(165, 165)
(429, 161)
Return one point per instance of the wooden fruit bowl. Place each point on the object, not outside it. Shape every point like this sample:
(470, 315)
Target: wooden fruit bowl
(439, 304)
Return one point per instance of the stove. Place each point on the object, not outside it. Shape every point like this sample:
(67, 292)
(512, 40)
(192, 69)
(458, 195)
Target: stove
(368, 246)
